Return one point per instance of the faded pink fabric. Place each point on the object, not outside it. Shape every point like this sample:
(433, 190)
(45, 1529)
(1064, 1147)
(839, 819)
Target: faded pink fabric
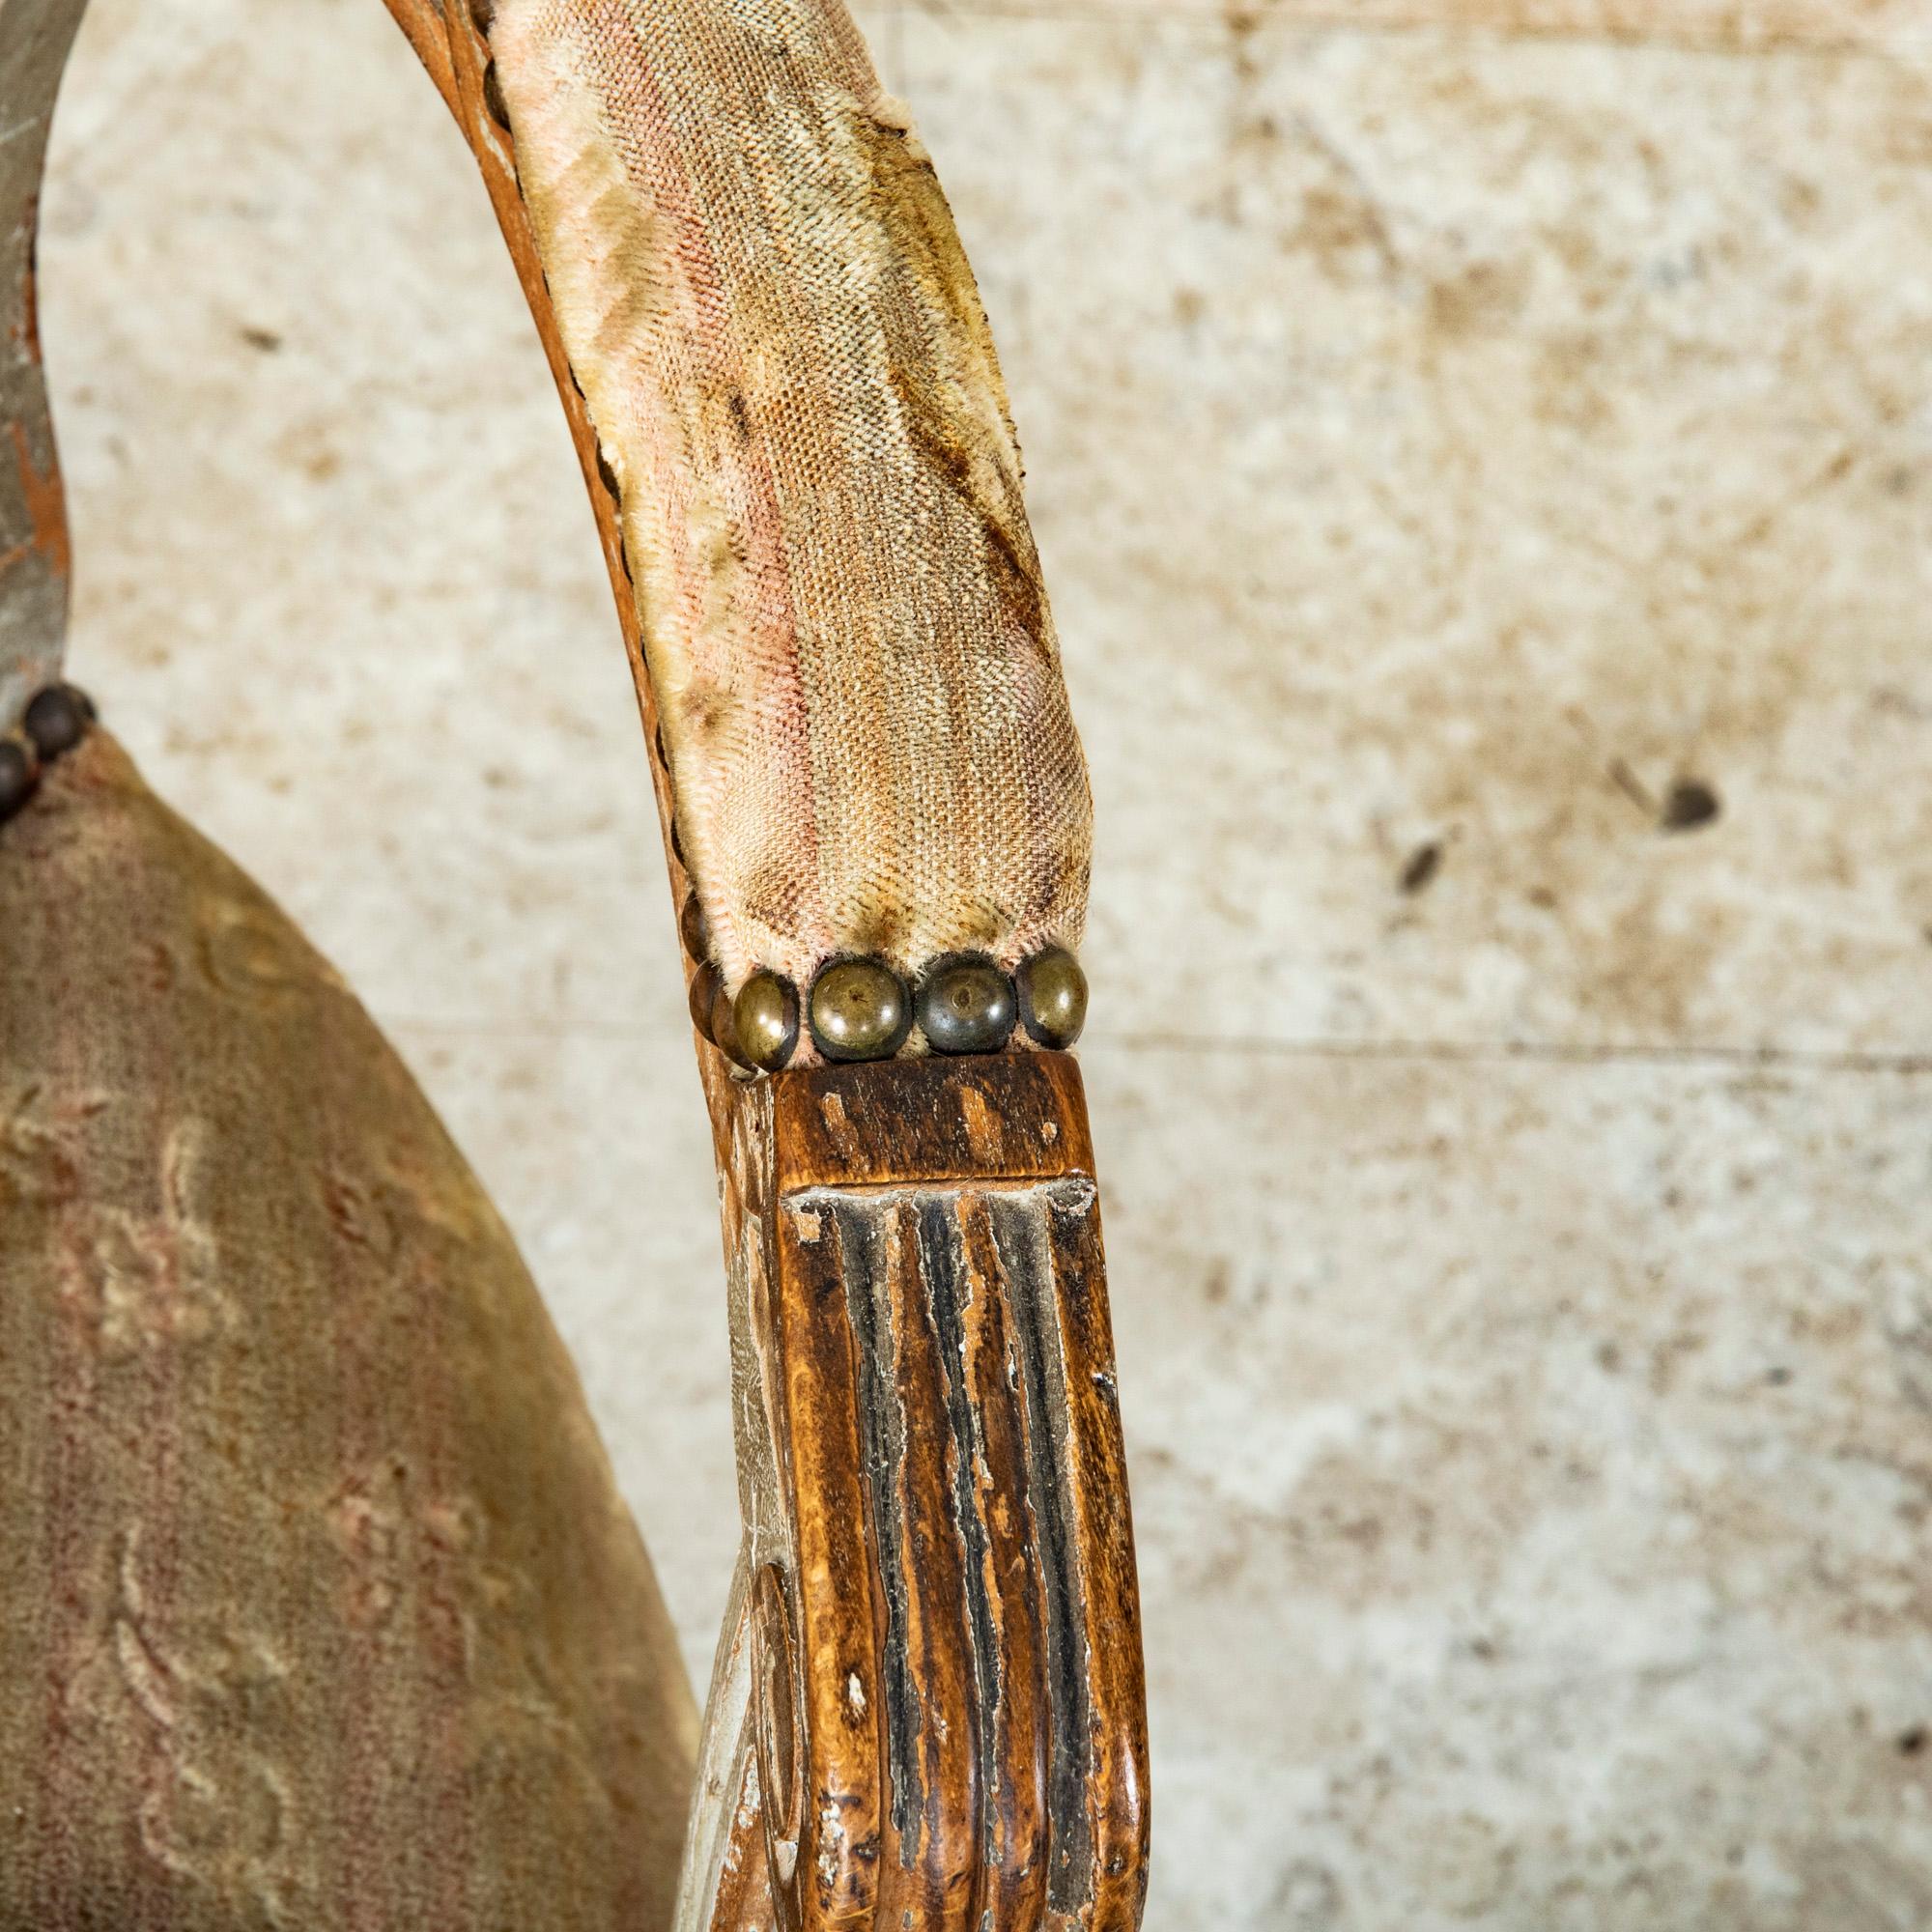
(761, 292)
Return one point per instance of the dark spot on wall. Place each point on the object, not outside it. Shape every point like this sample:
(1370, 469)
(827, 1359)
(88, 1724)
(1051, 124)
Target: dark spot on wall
(1632, 786)
(1481, 296)
(1424, 862)
(1910, 1743)
(1689, 804)
(264, 340)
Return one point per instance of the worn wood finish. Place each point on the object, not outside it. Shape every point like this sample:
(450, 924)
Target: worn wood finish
(935, 1484)
(927, 1709)
(931, 1457)
(34, 35)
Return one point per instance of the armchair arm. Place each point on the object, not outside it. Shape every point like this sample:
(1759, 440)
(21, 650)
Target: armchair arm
(932, 1699)
(928, 1710)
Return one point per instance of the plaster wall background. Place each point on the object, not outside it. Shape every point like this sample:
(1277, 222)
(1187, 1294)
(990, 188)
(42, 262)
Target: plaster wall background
(1482, 451)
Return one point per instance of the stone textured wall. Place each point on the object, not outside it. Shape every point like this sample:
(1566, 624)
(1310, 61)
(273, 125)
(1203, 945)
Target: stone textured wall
(1482, 451)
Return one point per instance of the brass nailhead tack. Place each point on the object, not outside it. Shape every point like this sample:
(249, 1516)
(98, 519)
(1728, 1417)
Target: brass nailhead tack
(694, 929)
(859, 1010)
(766, 1017)
(725, 1028)
(19, 774)
(57, 720)
(1053, 997)
(966, 1005)
(705, 987)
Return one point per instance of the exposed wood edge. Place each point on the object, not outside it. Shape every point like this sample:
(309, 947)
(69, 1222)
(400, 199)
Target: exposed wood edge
(723, 1885)
(931, 1461)
(1095, 1448)
(35, 37)
(1004, 1117)
(965, 1552)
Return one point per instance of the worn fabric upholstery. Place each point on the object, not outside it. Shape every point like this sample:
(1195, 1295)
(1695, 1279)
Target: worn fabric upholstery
(317, 1606)
(317, 1603)
(761, 292)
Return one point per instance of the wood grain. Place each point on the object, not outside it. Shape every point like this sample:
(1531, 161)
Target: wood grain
(34, 35)
(1006, 1117)
(936, 1622)
(930, 1389)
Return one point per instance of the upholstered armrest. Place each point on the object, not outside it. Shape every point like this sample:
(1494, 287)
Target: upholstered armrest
(317, 1604)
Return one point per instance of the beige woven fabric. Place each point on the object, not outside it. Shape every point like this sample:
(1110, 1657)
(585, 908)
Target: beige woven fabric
(319, 1607)
(762, 294)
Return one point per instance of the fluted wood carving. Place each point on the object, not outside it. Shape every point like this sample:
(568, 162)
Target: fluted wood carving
(928, 1709)
(942, 1708)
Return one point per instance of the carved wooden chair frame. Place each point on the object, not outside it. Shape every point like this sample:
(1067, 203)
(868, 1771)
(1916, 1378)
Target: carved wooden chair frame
(927, 1708)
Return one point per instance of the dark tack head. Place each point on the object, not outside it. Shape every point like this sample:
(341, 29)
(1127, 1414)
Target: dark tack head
(966, 1005)
(19, 773)
(56, 719)
(705, 988)
(694, 930)
(1053, 997)
(725, 1028)
(859, 1010)
(766, 1017)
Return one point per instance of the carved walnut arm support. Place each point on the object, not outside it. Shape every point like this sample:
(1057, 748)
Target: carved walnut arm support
(930, 1708)
(929, 1705)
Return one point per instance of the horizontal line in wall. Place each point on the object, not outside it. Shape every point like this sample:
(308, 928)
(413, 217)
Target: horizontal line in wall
(1533, 1052)
(1902, 27)
(1450, 1052)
